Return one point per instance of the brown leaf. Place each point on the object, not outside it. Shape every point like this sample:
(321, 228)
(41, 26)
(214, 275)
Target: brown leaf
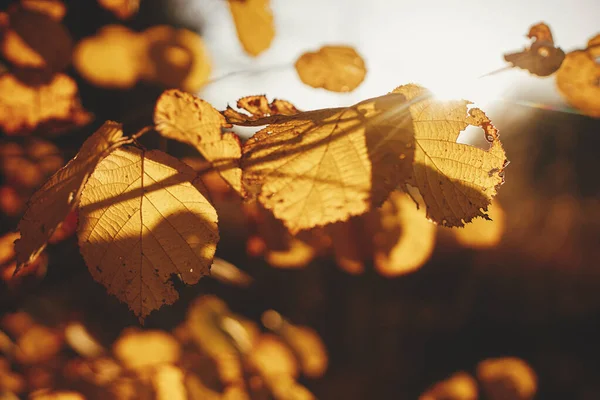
(335, 68)
(122, 9)
(254, 24)
(323, 166)
(32, 39)
(578, 79)
(138, 350)
(50, 107)
(507, 378)
(542, 58)
(258, 108)
(188, 119)
(142, 223)
(457, 181)
(51, 204)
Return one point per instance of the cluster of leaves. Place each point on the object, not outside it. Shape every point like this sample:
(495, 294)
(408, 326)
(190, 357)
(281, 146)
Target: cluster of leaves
(500, 378)
(577, 72)
(213, 354)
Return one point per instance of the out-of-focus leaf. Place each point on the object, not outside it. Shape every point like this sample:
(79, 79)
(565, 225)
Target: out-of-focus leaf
(122, 9)
(51, 204)
(50, 107)
(80, 340)
(254, 24)
(55, 9)
(578, 79)
(507, 378)
(481, 233)
(58, 395)
(542, 58)
(137, 349)
(168, 383)
(141, 222)
(460, 386)
(38, 344)
(334, 68)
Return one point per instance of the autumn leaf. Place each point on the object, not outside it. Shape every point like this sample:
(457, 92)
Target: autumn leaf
(122, 9)
(481, 233)
(188, 119)
(33, 39)
(253, 23)
(55, 9)
(137, 349)
(460, 386)
(51, 107)
(507, 378)
(323, 166)
(335, 68)
(578, 79)
(542, 58)
(258, 108)
(403, 238)
(51, 204)
(457, 181)
(141, 222)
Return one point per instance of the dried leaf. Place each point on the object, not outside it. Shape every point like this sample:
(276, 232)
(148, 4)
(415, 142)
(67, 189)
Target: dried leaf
(323, 166)
(51, 204)
(404, 239)
(137, 349)
(542, 58)
(507, 378)
(122, 9)
(141, 222)
(254, 24)
(578, 79)
(32, 39)
(258, 108)
(455, 180)
(335, 68)
(188, 119)
(50, 107)
(460, 386)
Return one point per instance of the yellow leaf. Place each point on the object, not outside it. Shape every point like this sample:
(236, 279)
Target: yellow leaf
(51, 204)
(460, 386)
(507, 378)
(455, 180)
(481, 234)
(404, 239)
(335, 68)
(254, 24)
(168, 382)
(258, 108)
(579, 76)
(142, 223)
(137, 349)
(323, 166)
(188, 119)
(122, 9)
(273, 358)
(51, 107)
(542, 58)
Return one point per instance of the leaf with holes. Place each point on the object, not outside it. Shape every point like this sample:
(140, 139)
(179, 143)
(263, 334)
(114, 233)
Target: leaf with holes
(142, 223)
(543, 58)
(51, 204)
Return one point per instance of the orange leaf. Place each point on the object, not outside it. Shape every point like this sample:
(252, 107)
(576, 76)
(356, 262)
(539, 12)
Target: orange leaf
(122, 9)
(254, 24)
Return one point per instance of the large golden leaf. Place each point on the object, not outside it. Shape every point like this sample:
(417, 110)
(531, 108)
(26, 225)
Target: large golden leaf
(323, 166)
(254, 24)
(51, 204)
(186, 118)
(142, 222)
(457, 181)
(335, 68)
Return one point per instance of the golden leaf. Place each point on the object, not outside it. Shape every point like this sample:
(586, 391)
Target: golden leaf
(33, 39)
(141, 222)
(122, 9)
(51, 204)
(55, 9)
(254, 24)
(578, 79)
(455, 180)
(460, 386)
(188, 119)
(404, 239)
(258, 108)
(335, 68)
(542, 58)
(507, 378)
(481, 233)
(323, 166)
(137, 349)
(273, 358)
(168, 382)
(50, 107)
